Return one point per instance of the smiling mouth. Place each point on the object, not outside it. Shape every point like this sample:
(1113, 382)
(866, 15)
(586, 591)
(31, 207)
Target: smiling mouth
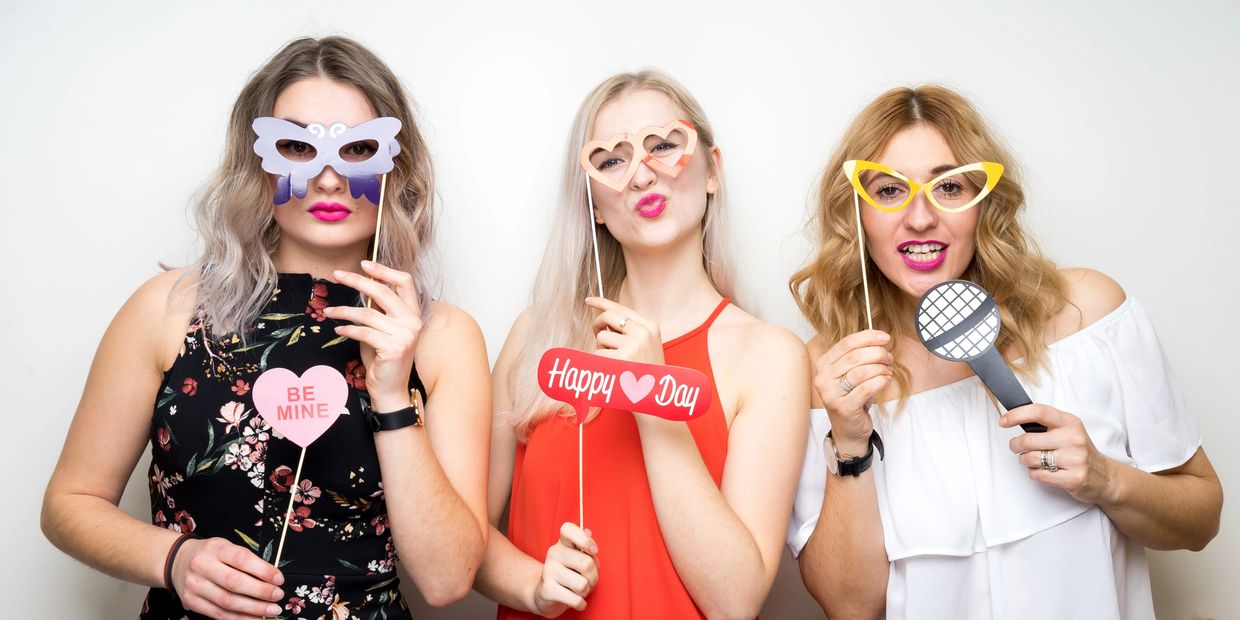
(927, 252)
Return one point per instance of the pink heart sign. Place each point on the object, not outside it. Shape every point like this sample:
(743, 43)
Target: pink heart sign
(301, 408)
(583, 380)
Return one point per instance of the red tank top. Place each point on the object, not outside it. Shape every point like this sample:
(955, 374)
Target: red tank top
(636, 575)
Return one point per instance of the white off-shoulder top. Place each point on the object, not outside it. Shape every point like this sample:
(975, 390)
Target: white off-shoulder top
(968, 534)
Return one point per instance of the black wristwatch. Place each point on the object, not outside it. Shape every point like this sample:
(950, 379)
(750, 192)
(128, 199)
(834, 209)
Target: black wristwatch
(853, 466)
(392, 420)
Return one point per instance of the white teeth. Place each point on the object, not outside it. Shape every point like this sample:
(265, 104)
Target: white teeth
(923, 248)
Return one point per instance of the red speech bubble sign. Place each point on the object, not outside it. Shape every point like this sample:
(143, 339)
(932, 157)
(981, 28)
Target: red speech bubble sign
(583, 380)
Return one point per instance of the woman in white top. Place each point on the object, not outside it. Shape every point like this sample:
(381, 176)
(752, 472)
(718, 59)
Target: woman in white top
(967, 516)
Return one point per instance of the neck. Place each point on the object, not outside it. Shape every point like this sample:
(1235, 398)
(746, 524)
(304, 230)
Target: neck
(318, 262)
(669, 286)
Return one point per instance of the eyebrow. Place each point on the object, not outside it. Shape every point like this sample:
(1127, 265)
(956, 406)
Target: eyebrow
(942, 168)
(294, 121)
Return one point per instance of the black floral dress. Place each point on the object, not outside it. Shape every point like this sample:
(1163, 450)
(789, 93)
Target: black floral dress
(217, 469)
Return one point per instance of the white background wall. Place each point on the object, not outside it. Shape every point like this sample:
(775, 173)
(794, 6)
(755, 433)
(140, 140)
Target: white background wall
(1123, 113)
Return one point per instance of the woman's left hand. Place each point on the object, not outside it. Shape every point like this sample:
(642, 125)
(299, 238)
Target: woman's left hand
(621, 333)
(388, 332)
(1080, 469)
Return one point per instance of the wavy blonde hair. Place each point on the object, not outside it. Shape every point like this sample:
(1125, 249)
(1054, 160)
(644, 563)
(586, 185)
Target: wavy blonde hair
(234, 212)
(1026, 286)
(566, 274)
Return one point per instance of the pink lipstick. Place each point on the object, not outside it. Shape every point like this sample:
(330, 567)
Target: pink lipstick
(651, 205)
(923, 255)
(329, 211)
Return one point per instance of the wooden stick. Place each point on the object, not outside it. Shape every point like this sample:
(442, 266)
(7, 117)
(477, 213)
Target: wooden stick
(865, 282)
(374, 252)
(581, 424)
(292, 496)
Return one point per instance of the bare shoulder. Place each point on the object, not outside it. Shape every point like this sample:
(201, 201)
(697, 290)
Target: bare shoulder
(1092, 295)
(757, 337)
(449, 328)
(156, 315)
(450, 339)
(756, 348)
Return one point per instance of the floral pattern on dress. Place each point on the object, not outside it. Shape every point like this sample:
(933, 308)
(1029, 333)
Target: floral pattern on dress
(219, 470)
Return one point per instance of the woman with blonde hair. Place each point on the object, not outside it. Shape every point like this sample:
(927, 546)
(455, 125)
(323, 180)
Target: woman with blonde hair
(277, 286)
(963, 515)
(683, 519)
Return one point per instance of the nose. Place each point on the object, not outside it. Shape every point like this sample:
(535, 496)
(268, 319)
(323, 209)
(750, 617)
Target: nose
(328, 181)
(920, 215)
(643, 178)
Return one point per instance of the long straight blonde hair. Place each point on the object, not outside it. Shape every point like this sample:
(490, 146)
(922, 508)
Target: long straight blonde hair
(566, 275)
(1026, 286)
(234, 211)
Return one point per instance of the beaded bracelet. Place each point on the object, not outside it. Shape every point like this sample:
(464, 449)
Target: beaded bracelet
(172, 554)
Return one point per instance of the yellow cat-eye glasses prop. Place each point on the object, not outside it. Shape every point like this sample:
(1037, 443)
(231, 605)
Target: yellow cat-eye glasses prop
(956, 190)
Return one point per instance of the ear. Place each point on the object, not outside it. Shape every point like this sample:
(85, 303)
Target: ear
(598, 215)
(712, 178)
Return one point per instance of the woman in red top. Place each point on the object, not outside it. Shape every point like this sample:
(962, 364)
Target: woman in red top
(684, 519)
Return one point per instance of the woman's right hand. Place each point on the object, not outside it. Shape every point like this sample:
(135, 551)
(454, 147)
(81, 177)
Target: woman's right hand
(569, 574)
(863, 360)
(223, 580)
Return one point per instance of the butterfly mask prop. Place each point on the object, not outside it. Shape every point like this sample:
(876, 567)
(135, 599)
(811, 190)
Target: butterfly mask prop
(297, 154)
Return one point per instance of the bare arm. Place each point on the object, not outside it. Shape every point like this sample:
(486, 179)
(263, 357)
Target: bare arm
(726, 541)
(844, 563)
(434, 477)
(107, 436)
(509, 576)
(1179, 508)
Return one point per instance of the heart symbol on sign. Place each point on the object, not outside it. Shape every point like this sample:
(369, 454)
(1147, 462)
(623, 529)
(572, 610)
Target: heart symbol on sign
(301, 408)
(636, 389)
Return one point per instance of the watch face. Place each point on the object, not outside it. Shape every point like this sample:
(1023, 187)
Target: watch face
(833, 456)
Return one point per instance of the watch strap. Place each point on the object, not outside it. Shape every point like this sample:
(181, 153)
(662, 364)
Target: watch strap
(854, 466)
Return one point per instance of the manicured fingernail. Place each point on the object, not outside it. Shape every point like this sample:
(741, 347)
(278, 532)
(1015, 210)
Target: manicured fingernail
(273, 610)
(337, 328)
(277, 594)
(329, 310)
(340, 273)
(367, 263)
(883, 337)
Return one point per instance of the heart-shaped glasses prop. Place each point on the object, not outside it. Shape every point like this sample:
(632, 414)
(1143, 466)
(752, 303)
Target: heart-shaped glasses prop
(301, 409)
(952, 191)
(666, 150)
(958, 321)
(612, 162)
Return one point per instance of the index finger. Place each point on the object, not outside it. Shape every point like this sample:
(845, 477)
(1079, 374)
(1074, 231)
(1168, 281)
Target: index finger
(863, 338)
(402, 282)
(573, 536)
(1049, 417)
(246, 561)
(602, 303)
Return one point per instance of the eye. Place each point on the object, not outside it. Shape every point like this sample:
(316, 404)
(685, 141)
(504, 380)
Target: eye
(610, 162)
(295, 150)
(950, 187)
(359, 151)
(664, 146)
(889, 191)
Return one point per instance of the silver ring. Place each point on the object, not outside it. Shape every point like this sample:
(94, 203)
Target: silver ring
(845, 385)
(1047, 459)
(623, 321)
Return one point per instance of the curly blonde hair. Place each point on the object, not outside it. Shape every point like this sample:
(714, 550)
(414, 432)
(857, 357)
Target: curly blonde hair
(1026, 286)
